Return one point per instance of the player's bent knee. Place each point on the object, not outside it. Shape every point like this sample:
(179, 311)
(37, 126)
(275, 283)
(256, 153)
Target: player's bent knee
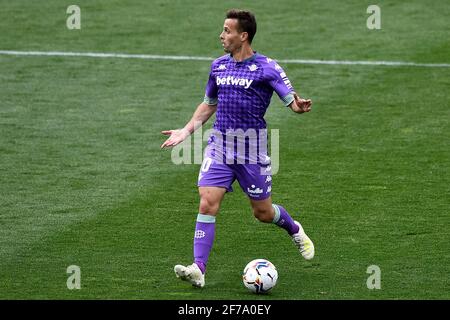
(208, 207)
(263, 215)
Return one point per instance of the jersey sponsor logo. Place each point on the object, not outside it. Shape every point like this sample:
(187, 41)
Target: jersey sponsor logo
(230, 80)
(199, 234)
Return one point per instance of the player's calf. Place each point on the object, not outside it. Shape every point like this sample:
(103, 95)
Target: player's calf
(263, 216)
(263, 210)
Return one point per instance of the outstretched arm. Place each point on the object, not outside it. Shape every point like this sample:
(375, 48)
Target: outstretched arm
(201, 115)
(300, 105)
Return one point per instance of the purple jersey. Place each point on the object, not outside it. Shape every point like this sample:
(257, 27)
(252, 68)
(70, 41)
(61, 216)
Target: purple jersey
(242, 91)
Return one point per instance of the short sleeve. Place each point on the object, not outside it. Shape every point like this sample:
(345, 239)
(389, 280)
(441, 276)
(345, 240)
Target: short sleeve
(280, 83)
(211, 89)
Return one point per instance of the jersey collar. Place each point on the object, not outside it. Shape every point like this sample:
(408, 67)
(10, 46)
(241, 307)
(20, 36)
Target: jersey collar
(253, 57)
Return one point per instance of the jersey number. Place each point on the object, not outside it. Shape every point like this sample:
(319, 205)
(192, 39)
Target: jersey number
(206, 164)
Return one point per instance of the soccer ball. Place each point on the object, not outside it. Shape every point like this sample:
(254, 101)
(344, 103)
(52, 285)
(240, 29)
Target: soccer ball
(260, 275)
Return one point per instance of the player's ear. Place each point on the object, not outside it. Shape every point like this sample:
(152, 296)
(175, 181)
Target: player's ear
(244, 36)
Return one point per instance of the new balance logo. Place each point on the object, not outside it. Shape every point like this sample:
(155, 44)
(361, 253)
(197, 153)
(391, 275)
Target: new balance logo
(230, 80)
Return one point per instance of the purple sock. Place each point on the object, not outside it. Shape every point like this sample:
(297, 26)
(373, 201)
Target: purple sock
(284, 220)
(203, 239)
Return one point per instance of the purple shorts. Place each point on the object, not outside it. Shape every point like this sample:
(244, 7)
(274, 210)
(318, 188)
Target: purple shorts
(254, 179)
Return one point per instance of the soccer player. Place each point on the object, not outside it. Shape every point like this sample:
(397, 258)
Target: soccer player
(239, 89)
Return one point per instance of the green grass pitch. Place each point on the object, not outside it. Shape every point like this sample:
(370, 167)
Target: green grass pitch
(83, 181)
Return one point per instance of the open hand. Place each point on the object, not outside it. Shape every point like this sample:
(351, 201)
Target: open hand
(175, 137)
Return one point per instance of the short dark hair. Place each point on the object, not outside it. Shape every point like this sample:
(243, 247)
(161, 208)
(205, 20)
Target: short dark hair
(246, 21)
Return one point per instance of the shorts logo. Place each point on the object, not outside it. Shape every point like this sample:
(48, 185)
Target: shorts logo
(269, 189)
(254, 191)
(268, 179)
(199, 234)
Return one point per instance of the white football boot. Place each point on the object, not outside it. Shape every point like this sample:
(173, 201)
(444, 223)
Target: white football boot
(191, 274)
(303, 242)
